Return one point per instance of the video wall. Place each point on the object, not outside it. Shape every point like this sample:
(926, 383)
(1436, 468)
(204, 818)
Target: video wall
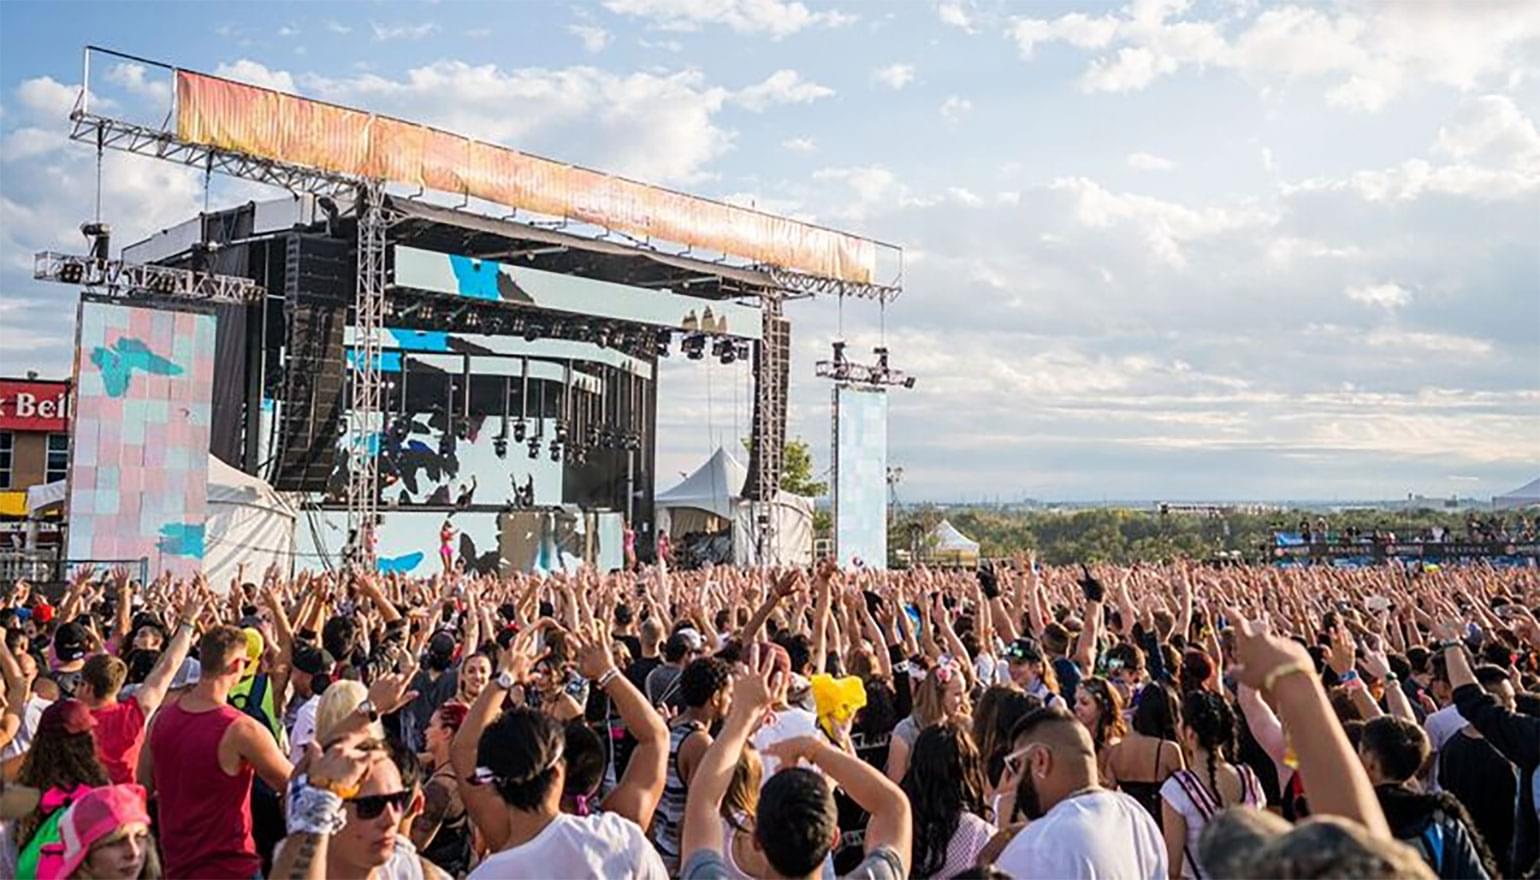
(861, 476)
(138, 476)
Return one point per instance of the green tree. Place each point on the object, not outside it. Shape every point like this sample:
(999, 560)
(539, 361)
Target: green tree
(796, 468)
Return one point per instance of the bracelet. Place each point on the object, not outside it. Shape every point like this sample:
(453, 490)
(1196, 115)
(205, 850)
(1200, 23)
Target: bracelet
(1350, 676)
(313, 810)
(1448, 643)
(1390, 678)
(608, 676)
(1285, 670)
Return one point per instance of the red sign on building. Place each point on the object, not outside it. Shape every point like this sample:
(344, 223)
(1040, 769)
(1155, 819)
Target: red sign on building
(34, 406)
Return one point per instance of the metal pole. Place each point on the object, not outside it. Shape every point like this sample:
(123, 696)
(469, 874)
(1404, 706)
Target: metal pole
(366, 387)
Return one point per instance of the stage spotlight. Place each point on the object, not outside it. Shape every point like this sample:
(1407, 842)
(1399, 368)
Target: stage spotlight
(399, 430)
(908, 381)
(100, 235)
(839, 352)
(694, 346)
(725, 351)
(602, 337)
(743, 349)
(662, 343)
(500, 446)
(555, 451)
(72, 272)
(518, 431)
(534, 447)
(532, 331)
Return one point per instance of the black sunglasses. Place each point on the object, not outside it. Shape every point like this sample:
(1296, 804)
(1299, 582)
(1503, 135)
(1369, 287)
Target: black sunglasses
(371, 806)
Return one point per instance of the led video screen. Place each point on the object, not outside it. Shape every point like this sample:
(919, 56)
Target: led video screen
(138, 476)
(860, 476)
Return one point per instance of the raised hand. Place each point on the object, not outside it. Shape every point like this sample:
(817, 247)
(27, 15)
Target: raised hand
(389, 693)
(1259, 652)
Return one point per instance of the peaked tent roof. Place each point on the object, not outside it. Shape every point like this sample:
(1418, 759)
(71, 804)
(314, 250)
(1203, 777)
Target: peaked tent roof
(1524, 496)
(714, 486)
(949, 540)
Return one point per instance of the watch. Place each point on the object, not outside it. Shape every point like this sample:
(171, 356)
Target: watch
(367, 708)
(505, 680)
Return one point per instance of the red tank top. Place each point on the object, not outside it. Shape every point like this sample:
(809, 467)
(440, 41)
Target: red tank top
(119, 736)
(205, 813)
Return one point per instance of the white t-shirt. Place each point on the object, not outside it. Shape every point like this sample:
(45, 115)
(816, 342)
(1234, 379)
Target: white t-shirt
(304, 728)
(1104, 834)
(30, 717)
(787, 723)
(603, 845)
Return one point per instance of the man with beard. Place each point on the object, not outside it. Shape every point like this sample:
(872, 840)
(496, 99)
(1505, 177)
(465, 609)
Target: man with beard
(1078, 828)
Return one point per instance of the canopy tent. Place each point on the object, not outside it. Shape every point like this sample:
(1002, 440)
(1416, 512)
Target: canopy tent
(945, 544)
(711, 500)
(247, 521)
(1527, 495)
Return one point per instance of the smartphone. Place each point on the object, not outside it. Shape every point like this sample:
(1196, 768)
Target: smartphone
(914, 613)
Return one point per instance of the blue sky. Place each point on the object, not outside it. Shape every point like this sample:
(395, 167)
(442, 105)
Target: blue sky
(1154, 249)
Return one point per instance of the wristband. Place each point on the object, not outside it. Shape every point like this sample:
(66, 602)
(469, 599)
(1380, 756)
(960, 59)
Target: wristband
(313, 810)
(1348, 677)
(505, 680)
(1448, 643)
(608, 676)
(1286, 669)
(1390, 678)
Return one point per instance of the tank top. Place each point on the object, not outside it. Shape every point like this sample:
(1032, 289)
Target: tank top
(669, 818)
(450, 847)
(208, 810)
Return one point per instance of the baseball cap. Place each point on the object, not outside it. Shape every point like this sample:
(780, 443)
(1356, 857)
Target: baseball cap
(100, 812)
(189, 673)
(42, 612)
(1024, 650)
(312, 660)
(66, 716)
(69, 642)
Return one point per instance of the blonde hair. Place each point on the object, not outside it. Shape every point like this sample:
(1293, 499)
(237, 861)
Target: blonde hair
(341, 699)
(151, 869)
(930, 698)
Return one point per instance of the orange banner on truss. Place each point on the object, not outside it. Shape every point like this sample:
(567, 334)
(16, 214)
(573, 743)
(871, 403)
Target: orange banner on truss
(285, 128)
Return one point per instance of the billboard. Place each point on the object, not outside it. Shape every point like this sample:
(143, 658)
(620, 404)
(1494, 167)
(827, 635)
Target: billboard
(286, 128)
(32, 405)
(138, 476)
(861, 476)
(504, 282)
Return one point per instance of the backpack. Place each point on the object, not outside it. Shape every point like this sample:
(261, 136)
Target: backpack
(44, 853)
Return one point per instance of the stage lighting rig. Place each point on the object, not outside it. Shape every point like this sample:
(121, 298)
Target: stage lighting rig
(663, 342)
(694, 346)
(841, 369)
(724, 351)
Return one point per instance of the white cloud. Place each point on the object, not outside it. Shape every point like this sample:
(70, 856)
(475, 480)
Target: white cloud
(1008, 197)
(954, 108)
(1075, 29)
(1387, 295)
(594, 38)
(871, 184)
(1167, 227)
(800, 144)
(247, 71)
(383, 32)
(338, 27)
(1415, 178)
(656, 127)
(894, 76)
(288, 31)
(1364, 56)
(47, 96)
(1149, 162)
(781, 87)
(1491, 128)
(1437, 343)
(665, 45)
(778, 18)
(134, 79)
(953, 13)
(963, 196)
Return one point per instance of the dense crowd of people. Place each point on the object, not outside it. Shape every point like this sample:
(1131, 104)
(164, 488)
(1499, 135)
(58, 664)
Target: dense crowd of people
(1168, 721)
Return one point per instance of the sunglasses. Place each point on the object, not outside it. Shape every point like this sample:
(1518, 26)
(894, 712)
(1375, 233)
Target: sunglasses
(371, 806)
(1016, 762)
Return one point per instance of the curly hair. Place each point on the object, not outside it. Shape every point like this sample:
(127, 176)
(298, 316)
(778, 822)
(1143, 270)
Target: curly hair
(945, 779)
(58, 760)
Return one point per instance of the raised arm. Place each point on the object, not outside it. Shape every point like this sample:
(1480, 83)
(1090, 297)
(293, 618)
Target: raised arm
(823, 582)
(783, 587)
(1338, 784)
(482, 803)
(153, 690)
(752, 696)
(637, 794)
(889, 825)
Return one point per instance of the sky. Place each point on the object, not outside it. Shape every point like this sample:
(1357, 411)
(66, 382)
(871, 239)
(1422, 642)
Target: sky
(1153, 250)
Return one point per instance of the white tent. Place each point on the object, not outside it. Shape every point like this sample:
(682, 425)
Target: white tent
(1527, 495)
(947, 545)
(247, 521)
(711, 500)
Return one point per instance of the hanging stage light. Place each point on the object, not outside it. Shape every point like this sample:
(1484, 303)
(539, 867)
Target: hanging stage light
(518, 431)
(663, 342)
(694, 346)
(724, 351)
(500, 446)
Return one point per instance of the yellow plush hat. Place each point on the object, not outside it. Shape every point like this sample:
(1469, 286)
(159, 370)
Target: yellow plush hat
(254, 648)
(836, 699)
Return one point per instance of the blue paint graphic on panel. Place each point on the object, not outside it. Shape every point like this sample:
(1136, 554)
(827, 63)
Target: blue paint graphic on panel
(117, 364)
(181, 539)
(475, 278)
(390, 361)
(421, 340)
(404, 563)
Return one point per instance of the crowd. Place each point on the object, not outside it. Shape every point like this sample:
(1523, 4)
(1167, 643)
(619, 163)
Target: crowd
(1151, 722)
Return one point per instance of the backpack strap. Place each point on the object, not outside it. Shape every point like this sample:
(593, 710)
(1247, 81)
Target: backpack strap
(1432, 838)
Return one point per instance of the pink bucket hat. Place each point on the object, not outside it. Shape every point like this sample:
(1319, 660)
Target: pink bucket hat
(98, 814)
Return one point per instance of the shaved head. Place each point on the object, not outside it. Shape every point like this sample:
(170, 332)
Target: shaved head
(1056, 729)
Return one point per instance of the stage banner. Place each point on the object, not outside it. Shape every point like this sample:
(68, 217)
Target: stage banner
(299, 131)
(138, 475)
(861, 476)
(501, 282)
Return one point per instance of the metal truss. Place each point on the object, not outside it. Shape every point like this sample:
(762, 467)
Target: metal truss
(797, 282)
(114, 134)
(770, 426)
(367, 386)
(117, 278)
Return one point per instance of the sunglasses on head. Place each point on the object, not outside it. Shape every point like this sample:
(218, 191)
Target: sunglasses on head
(371, 806)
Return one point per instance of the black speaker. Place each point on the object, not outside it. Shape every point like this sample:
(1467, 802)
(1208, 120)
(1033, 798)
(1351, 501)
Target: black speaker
(318, 282)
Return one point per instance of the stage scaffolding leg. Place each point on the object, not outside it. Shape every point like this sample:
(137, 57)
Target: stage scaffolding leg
(770, 426)
(367, 386)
